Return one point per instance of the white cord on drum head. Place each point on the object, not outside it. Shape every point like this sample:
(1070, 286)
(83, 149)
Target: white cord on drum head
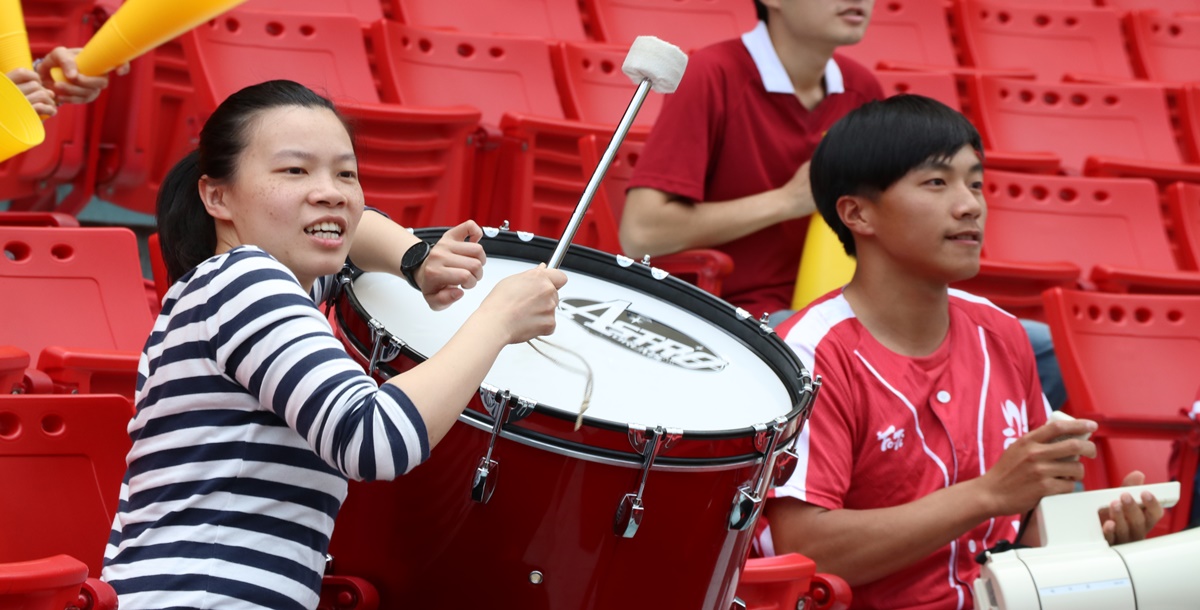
(586, 371)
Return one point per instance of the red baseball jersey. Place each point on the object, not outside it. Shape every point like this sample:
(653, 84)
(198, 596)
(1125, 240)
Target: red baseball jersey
(888, 429)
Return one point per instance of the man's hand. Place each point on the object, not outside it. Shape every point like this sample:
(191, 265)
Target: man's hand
(1034, 467)
(76, 88)
(797, 192)
(1125, 521)
(455, 263)
(40, 97)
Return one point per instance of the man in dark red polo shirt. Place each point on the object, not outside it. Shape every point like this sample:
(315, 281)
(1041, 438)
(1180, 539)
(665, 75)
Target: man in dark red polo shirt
(726, 165)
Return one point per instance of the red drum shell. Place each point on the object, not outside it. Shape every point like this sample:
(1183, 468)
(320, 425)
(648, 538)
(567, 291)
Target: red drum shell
(546, 539)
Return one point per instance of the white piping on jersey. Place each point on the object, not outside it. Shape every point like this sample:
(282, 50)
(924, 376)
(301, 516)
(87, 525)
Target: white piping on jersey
(913, 410)
(987, 379)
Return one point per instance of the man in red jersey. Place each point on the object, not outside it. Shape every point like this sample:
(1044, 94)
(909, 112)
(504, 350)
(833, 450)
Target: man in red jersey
(929, 440)
(726, 165)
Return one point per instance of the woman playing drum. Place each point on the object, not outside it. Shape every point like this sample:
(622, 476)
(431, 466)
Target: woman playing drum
(250, 415)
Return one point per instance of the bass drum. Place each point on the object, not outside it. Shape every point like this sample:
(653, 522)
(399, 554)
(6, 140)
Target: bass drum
(650, 503)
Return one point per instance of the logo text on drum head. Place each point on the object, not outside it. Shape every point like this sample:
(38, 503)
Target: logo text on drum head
(614, 321)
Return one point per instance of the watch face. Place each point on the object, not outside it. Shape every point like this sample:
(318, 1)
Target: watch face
(415, 255)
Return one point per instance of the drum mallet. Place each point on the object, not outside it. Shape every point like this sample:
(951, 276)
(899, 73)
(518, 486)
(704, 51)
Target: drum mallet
(651, 64)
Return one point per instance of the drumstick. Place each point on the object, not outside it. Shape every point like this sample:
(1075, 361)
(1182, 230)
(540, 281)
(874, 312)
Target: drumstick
(651, 64)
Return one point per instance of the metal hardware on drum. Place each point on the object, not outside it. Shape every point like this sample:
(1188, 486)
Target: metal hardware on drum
(500, 405)
(737, 604)
(536, 577)
(747, 502)
(483, 484)
(646, 260)
(649, 443)
(785, 464)
(379, 351)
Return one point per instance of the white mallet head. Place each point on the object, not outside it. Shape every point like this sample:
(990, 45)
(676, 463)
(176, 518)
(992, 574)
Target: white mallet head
(657, 61)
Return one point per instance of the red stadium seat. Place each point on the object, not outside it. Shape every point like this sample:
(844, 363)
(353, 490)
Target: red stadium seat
(687, 24)
(906, 32)
(1165, 47)
(1166, 6)
(150, 124)
(1050, 41)
(13, 362)
(68, 154)
(592, 86)
(552, 19)
(63, 460)
(366, 11)
(790, 581)
(80, 292)
(1116, 242)
(1183, 208)
(1128, 362)
(414, 163)
(496, 74)
(59, 582)
(37, 219)
(940, 86)
(532, 149)
(1101, 130)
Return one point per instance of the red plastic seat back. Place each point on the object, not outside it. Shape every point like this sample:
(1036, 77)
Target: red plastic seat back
(62, 458)
(1075, 120)
(366, 11)
(1085, 221)
(37, 219)
(594, 89)
(75, 287)
(13, 362)
(1166, 6)
(687, 24)
(1131, 356)
(496, 74)
(1049, 40)
(1183, 205)
(63, 155)
(1165, 47)
(906, 31)
(51, 583)
(937, 85)
(542, 18)
(243, 47)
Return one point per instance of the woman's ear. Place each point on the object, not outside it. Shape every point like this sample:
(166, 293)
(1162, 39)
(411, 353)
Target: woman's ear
(855, 212)
(212, 193)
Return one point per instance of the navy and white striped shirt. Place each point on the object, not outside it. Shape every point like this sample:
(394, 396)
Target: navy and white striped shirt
(250, 417)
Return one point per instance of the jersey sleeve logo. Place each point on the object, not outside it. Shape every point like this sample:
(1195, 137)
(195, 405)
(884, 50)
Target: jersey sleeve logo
(891, 438)
(1017, 420)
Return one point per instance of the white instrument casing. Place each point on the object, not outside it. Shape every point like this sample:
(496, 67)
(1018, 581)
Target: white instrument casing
(1072, 567)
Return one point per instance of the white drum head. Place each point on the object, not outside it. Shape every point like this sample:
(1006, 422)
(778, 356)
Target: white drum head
(654, 363)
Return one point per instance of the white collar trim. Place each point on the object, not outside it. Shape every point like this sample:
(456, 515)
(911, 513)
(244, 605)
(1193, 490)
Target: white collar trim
(774, 77)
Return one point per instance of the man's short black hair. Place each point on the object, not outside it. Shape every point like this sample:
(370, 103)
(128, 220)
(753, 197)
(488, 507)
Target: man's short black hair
(873, 147)
(761, 10)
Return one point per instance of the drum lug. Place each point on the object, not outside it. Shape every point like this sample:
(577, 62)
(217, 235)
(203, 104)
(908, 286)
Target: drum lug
(650, 443)
(483, 482)
(747, 502)
(490, 396)
(383, 346)
(737, 604)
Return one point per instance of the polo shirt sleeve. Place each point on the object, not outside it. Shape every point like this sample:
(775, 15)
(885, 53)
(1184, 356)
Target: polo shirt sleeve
(826, 446)
(676, 156)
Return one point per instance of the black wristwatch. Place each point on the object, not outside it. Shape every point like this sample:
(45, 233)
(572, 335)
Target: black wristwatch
(413, 259)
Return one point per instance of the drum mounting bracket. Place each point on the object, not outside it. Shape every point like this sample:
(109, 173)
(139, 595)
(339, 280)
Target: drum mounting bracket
(499, 404)
(649, 442)
(747, 502)
(384, 347)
